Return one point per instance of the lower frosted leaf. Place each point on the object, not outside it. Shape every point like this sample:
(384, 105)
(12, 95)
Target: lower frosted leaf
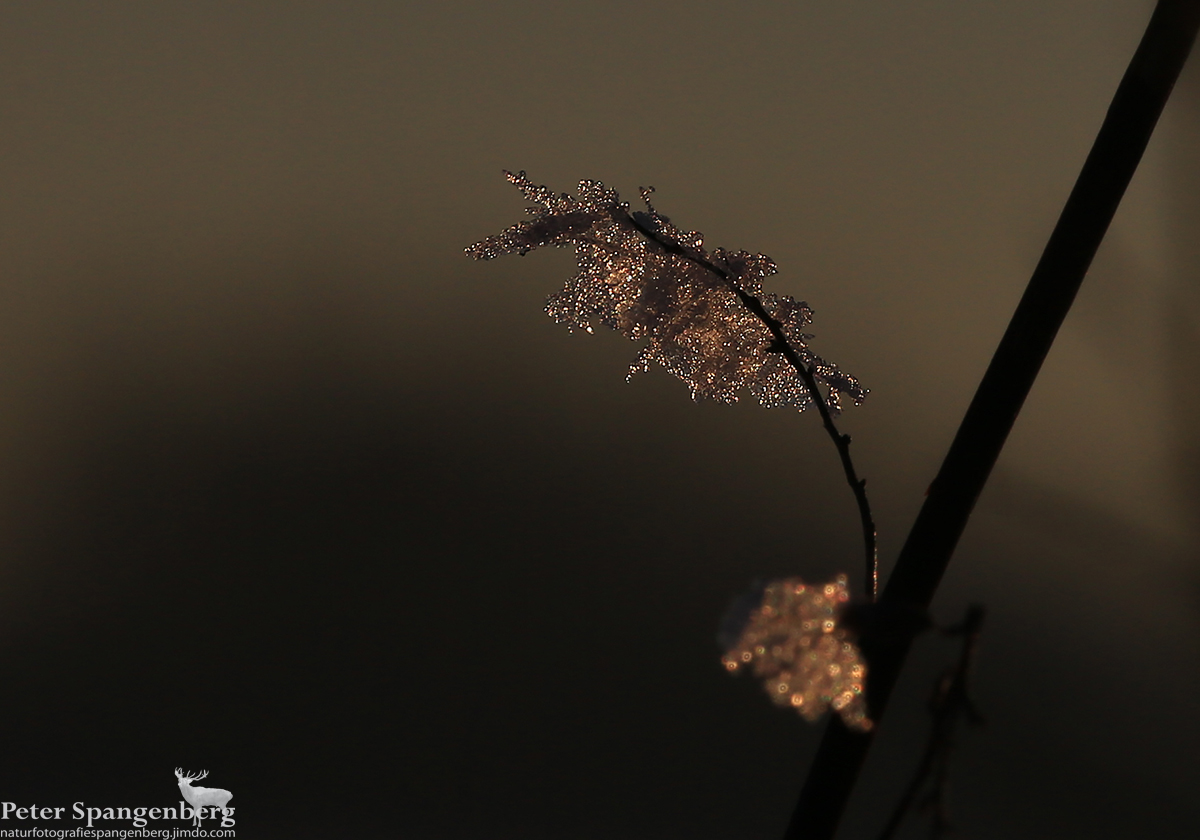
(807, 660)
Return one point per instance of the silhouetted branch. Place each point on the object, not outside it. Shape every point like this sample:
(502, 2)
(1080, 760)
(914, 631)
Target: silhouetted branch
(807, 374)
(1110, 165)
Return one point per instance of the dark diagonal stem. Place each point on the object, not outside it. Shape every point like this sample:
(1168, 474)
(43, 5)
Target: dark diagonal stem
(1106, 173)
(807, 374)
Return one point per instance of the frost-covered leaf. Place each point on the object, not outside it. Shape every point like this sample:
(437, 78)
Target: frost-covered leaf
(806, 657)
(641, 275)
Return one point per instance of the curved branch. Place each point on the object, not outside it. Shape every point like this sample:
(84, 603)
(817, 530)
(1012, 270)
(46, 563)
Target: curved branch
(808, 375)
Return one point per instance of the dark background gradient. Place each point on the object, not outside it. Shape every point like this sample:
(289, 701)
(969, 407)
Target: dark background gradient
(292, 491)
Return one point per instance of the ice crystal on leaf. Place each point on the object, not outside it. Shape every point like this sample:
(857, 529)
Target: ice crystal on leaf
(807, 659)
(644, 277)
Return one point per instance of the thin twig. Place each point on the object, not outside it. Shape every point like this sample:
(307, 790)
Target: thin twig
(808, 375)
(950, 701)
(1110, 165)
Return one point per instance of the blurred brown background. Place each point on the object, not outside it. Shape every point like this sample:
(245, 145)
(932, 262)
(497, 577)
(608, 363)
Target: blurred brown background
(292, 491)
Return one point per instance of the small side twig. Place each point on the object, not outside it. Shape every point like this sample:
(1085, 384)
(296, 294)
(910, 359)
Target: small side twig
(807, 374)
(951, 700)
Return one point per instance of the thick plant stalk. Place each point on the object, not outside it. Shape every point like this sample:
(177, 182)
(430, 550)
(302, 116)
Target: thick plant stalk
(1110, 165)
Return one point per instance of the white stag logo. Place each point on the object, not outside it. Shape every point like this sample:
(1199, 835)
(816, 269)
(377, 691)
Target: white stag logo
(202, 797)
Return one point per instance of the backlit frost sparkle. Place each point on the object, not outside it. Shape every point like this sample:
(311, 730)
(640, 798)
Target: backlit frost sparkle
(656, 288)
(805, 657)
